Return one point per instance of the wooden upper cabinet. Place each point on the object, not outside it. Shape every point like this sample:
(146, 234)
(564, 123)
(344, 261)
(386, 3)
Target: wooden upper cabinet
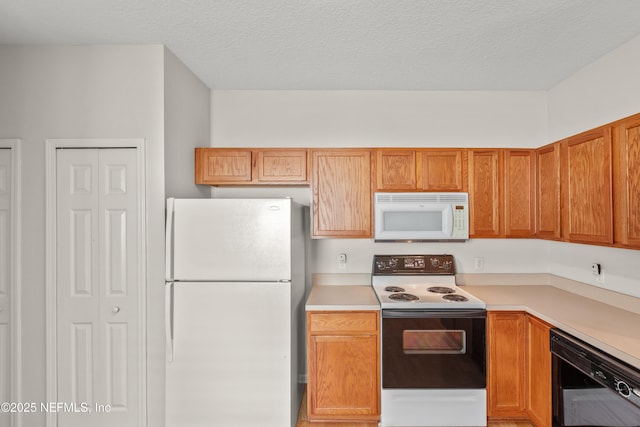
(395, 169)
(229, 166)
(420, 169)
(586, 188)
(626, 186)
(222, 166)
(442, 170)
(519, 193)
(281, 166)
(341, 193)
(485, 192)
(548, 192)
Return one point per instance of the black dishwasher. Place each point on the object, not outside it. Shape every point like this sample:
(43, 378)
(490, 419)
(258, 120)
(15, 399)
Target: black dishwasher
(590, 387)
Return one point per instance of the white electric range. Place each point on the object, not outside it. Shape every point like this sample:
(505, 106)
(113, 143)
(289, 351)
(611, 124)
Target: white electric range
(432, 343)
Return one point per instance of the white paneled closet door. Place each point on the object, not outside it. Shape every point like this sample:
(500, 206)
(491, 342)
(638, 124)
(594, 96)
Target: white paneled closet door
(5, 281)
(97, 256)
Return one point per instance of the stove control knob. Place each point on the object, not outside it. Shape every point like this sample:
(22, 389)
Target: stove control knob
(393, 262)
(623, 388)
(379, 265)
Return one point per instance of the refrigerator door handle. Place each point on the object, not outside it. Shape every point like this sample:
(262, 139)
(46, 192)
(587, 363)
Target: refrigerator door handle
(168, 320)
(169, 240)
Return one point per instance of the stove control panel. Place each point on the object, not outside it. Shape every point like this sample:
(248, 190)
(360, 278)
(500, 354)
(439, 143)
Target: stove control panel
(413, 265)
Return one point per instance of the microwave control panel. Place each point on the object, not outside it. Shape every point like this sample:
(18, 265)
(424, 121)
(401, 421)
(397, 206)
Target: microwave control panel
(460, 219)
(413, 265)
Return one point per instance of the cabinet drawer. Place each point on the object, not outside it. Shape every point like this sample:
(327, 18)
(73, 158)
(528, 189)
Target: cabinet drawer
(355, 322)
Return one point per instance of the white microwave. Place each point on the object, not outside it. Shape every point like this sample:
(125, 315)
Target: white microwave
(421, 217)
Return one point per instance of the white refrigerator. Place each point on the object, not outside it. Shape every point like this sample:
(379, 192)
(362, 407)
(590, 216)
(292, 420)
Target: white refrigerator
(234, 297)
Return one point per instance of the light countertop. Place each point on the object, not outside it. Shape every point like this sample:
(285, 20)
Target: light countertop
(344, 297)
(610, 328)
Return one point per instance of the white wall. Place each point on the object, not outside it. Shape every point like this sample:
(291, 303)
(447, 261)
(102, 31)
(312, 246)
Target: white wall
(187, 107)
(604, 91)
(385, 118)
(378, 118)
(77, 92)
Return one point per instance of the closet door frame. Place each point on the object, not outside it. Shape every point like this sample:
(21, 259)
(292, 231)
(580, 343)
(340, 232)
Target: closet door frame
(51, 145)
(15, 355)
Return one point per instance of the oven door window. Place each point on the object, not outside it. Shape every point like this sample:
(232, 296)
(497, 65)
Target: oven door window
(434, 342)
(446, 353)
(413, 221)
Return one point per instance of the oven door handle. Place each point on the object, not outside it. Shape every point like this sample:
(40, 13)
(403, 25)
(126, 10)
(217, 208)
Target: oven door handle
(435, 313)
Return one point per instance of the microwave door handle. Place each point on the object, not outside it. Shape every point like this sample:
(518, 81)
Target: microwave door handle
(449, 221)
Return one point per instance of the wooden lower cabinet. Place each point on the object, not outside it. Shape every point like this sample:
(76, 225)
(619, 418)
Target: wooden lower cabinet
(344, 366)
(538, 371)
(506, 364)
(519, 367)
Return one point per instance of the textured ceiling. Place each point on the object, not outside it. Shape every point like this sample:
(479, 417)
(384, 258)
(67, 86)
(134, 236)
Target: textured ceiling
(345, 44)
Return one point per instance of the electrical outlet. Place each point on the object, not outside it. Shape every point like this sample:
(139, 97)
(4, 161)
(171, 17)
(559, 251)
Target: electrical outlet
(596, 270)
(478, 263)
(342, 261)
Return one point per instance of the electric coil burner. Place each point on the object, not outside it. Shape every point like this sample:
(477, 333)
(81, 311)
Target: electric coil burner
(440, 290)
(427, 278)
(433, 343)
(401, 296)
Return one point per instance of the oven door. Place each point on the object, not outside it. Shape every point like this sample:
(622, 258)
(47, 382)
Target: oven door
(443, 349)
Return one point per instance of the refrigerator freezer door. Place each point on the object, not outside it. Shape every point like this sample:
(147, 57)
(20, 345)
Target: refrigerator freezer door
(231, 355)
(229, 239)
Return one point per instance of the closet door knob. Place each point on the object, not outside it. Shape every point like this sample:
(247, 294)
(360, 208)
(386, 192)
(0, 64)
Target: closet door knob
(115, 309)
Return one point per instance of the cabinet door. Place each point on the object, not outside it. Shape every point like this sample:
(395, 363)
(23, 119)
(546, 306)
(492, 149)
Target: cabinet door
(395, 169)
(548, 192)
(538, 374)
(344, 366)
(341, 191)
(506, 381)
(279, 166)
(485, 193)
(587, 201)
(222, 166)
(627, 183)
(442, 170)
(519, 193)
(341, 372)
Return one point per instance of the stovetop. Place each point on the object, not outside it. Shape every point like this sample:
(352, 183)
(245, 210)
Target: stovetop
(419, 282)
